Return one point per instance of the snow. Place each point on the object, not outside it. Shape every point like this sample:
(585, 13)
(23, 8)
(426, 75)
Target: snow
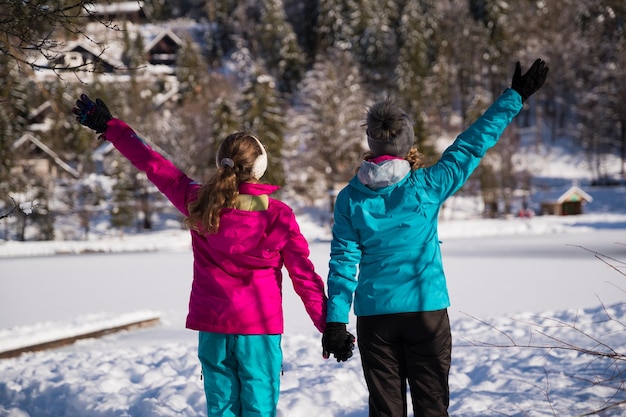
(520, 289)
(45, 332)
(524, 291)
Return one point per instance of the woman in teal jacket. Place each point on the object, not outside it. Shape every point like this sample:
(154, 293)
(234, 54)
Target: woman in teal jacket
(385, 254)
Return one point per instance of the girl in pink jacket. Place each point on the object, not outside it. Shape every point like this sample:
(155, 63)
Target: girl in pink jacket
(241, 239)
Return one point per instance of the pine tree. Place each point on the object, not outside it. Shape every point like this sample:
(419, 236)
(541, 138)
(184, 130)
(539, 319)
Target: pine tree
(262, 114)
(496, 18)
(13, 118)
(191, 70)
(219, 40)
(366, 29)
(326, 123)
(9, 126)
(279, 46)
(61, 136)
(303, 16)
(225, 118)
(334, 28)
(601, 110)
(133, 56)
(375, 41)
(121, 210)
(413, 69)
(159, 10)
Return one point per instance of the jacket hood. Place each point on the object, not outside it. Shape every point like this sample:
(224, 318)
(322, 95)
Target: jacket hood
(380, 175)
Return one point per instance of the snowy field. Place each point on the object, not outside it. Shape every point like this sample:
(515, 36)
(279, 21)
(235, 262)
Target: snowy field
(524, 292)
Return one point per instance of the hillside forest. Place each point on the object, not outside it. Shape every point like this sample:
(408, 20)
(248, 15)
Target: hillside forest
(300, 75)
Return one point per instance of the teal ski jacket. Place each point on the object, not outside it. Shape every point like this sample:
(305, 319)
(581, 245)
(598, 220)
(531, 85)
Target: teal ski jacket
(385, 252)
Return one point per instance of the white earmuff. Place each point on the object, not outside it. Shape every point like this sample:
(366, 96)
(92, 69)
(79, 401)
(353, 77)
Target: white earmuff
(260, 164)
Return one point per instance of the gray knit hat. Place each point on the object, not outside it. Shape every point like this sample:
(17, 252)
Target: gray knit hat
(389, 130)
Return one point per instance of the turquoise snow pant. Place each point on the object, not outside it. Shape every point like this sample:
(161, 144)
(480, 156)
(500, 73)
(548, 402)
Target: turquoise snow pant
(241, 374)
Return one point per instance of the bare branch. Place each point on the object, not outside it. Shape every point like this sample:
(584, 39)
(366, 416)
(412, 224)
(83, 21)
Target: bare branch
(608, 407)
(492, 327)
(19, 207)
(600, 255)
(558, 343)
(597, 372)
(611, 265)
(32, 26)
(15, 208)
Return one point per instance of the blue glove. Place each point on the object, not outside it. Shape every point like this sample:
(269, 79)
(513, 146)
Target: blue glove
(93, 115)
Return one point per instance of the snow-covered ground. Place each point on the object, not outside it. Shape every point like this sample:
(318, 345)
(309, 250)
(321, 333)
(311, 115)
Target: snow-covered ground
(523, 292)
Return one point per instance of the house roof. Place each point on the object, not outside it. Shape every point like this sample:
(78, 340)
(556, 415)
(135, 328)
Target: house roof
(85, 49)
(573, 194)
(124, 7)
(166, 34)
(29, 137)
(39, 112)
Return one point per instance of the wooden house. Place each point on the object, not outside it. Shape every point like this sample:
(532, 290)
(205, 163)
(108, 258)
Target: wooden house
(131, 11)
(566, 203)
(38, 159)
(85, 56)
(163, 49)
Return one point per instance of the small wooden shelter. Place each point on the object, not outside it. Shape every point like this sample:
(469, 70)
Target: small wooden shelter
(566, 203)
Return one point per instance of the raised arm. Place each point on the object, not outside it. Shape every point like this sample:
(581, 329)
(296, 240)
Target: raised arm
(463, 156)
(172, 182)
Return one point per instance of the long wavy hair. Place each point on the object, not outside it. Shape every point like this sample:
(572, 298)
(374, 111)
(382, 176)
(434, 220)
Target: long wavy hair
(222, 189)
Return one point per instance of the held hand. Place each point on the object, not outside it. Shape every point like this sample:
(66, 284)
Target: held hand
(345, 352)
(338, 341)
(93, 115)
(527, 84)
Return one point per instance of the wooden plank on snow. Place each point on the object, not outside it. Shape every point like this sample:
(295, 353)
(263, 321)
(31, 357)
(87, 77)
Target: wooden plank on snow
(57, 343)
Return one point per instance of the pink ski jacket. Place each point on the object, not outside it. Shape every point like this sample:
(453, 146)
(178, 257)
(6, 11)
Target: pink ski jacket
(237, 278)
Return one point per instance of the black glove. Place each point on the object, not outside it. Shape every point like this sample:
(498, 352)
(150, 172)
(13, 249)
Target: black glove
(338, 341)
(93, 115)
(527, 84)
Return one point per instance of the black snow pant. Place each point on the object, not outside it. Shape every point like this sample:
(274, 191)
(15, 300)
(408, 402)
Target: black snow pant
(413, 347)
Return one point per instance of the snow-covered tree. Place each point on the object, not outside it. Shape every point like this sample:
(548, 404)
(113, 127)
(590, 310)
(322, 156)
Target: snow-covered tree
(601, 82)
(336, 20)
(303, 16)
(133, 56)
(14, 107)
(278, 45)
(328, 139)
(122, 208)
(414, 67)
(191, 71)
(376, 41)
(226, 117)
(262, 113)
